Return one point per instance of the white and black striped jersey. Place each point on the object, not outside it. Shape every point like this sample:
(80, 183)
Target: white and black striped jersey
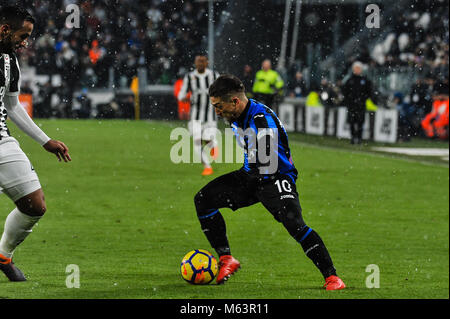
(198, 84)
(9, 85)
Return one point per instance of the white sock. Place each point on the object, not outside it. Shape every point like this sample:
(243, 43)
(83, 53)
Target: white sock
(204, 157)
(213, 143)
(17, 227)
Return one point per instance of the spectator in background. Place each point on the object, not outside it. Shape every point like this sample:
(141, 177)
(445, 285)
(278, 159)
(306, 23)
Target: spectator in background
(154, 15)
(43, 102)
(327, 94)
(356, 90)
(120, 67)
(108, 110)
(66, 61)
(64, 106)
(247, 78)
(85, 105)
(26, 88)
(420, 97)
(97, 55)
(45, 55)
(126, 106)
(436, 123)
(268, 84)
(297, 87)
(405, 116)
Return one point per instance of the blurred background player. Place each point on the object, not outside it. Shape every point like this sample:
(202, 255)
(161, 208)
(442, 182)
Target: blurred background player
(268, 84)
(253, 183)
(18, 180)
(202, 116)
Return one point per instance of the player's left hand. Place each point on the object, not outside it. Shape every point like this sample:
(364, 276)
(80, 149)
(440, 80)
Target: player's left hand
(59, 149)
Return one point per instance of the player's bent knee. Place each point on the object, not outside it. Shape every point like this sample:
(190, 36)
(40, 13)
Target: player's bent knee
(200, 203)
(203, 209)
(289, 212)
(198, 199)
(292, 221)
(33, 209)
(291, 218)
(201, 199)
(40, 209)
(33, 204)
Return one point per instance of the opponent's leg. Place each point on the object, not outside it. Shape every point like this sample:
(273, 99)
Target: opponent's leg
(199, 150)
(209, 143)
(209, 135)
(207, 168)
(196, 130)
(18, 226)
(213, 148)
(281, 199)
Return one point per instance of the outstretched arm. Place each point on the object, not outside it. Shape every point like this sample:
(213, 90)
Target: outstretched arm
(20, 117)
(59, 149)
(182, 95)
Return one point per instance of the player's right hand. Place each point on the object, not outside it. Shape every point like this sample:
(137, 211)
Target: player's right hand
(59, 149)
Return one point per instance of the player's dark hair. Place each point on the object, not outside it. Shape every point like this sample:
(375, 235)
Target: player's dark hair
(201, 53)
(15, 16)
(225, 86)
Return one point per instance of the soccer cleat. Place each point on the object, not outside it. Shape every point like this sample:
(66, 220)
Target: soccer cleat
(227, 267)
(214, 152)
(10, 270)
(334, 283)
(207, 171)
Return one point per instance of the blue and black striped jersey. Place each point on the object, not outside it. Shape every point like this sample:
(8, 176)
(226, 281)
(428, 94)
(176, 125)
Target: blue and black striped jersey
(259, 124)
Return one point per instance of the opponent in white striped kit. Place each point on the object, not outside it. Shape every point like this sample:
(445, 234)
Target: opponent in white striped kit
(203, 119)
(18, 180)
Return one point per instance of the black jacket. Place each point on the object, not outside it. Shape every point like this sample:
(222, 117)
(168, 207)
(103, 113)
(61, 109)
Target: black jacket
(356, 91)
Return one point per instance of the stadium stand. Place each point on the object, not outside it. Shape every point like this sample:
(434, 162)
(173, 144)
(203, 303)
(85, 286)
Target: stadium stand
(409, 56)
(159, 35)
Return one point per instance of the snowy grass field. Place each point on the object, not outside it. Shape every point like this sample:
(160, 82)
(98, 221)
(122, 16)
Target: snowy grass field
(124, 214)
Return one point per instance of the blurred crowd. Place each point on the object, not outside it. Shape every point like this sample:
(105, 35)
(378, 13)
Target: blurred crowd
(419, 44)
(419, 39)
(118, 37)
(121, 36)
(414, 104)
(159, 35)
(420, 107)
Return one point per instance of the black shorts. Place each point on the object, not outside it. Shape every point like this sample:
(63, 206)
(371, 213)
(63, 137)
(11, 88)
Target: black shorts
(237, 189)
(356, 116)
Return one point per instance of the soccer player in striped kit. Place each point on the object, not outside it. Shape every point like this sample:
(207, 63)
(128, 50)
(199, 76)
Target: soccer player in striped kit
(267, 176)
(18, 180)
(203, 119)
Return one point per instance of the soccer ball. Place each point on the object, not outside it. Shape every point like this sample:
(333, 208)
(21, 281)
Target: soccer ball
(199, 267)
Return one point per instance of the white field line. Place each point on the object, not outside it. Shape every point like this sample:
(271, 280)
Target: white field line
(388, 155)
(414, 151)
